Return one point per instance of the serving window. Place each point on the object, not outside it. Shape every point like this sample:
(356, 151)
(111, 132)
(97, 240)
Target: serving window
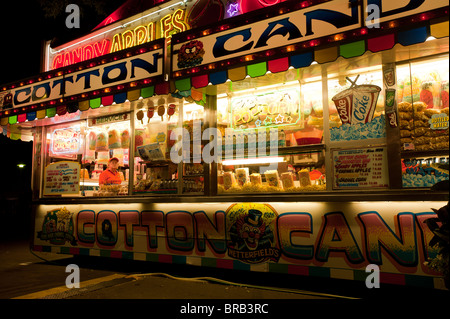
(326, 127)
(272, 135)
(163, 163)
(77, 153)
(423, 104)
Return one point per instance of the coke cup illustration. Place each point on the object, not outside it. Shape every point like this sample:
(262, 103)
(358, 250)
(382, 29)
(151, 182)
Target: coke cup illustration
(357, 104)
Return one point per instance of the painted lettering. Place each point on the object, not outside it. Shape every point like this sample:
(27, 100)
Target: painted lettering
(294, 235)
(106, 228)
(120, 75)
(85, 226)
(144, 65)
(338, 19)
(62, 84)
(281, 237)
(41, 91)
(360, 108)
(426, 235)
(219, 47)
(152, 220)
(139, 67)
(286, 28)
(129, 219)
(22, 96)
(412, 4)
(180, 231)
(87, 77)
(337, 236)
(379, 235)
(209, 232)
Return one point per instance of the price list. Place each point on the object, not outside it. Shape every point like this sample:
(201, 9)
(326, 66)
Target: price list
(62, 178)
(360, 168)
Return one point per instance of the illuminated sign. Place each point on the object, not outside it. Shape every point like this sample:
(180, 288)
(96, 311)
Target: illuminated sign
(266, 110)
(164, 28)
(143, 66)
(82, 53)
(251, 5)
(285, 28)
(232, 9)
(65, 141)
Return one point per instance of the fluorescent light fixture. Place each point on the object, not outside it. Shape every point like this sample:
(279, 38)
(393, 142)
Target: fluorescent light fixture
(248, 161)
(271, 87)
(20, 165)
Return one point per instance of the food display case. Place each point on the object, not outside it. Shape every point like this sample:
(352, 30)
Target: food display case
(423, 113)
(272, 139)
(317, 154)
(156, 145)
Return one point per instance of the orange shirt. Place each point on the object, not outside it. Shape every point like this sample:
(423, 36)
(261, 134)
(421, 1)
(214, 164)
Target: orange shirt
(108, 177)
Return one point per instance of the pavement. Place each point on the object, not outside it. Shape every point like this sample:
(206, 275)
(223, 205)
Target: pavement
(181, 290)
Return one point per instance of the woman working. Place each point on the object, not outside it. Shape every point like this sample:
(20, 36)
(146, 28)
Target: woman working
(110, 175)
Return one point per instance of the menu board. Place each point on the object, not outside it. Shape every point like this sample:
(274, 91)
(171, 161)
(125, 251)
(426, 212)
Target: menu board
(62, 178)
(360, 168)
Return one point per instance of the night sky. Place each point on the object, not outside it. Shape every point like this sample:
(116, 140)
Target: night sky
(24, 29)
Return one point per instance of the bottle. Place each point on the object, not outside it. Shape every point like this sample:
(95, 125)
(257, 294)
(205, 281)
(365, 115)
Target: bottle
(281, 139)
(252, 143)
(273, 138)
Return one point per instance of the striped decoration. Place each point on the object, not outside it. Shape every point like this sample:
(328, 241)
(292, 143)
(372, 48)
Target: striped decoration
(85, 105)
(300, 270)
(320, 55)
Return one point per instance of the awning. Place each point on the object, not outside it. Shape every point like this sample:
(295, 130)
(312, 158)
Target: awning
(111, 79)
(317, 54)
(85, 105)
(8, 128)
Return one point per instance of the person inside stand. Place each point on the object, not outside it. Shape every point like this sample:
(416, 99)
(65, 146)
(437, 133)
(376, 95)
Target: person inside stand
(110, 176)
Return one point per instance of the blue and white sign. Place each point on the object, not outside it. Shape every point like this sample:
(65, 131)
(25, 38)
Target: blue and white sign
(138, 67)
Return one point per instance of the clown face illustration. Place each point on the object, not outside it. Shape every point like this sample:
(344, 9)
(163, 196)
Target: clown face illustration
(251, 237)
(250, 229)
(191, 54)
